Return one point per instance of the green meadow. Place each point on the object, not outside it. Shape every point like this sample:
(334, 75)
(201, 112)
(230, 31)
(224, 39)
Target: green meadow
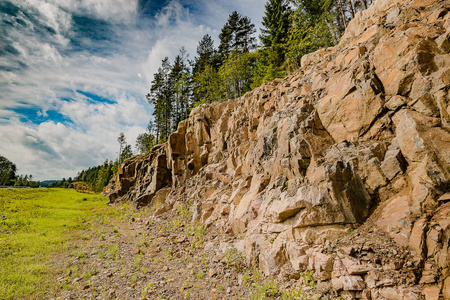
(36, 227)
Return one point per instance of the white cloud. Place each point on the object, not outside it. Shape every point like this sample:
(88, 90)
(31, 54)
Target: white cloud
(111, 10)
(176, 28)
(54, 71)
(57, 12)
(52, 14)
(55, 150)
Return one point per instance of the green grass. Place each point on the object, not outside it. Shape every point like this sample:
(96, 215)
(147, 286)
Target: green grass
(37, 225)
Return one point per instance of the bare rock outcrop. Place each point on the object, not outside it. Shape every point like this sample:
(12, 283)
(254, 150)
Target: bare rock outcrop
(357, 140)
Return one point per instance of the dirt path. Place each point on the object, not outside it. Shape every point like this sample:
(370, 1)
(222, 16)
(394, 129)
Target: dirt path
(134, 256)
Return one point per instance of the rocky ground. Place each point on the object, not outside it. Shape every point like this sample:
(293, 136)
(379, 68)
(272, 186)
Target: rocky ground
(139, 256)
(136, 256)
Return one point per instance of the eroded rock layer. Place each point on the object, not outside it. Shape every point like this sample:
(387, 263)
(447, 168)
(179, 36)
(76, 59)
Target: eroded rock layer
(357, 139)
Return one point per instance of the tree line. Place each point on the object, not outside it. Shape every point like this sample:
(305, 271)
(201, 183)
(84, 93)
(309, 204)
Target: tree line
(8, 176)
(96, 177)
(99, 176)
(291, 29)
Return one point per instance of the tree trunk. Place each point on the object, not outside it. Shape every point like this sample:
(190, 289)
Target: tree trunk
(332, 31)
(363, 3)
(344, 20)
(351, 8)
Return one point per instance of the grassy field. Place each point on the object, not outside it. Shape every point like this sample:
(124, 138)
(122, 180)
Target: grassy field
(36, 225)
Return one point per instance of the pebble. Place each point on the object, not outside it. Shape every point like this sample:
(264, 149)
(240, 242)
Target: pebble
(76, 280)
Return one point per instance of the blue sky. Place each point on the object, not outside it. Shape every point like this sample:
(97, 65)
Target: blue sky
(73, 73)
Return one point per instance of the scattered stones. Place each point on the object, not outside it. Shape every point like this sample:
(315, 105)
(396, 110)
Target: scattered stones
(348, 283)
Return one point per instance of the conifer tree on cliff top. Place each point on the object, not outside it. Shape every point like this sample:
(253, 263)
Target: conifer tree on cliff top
(180, 81)
(274, 38)
(276, 22)
(204, 72)
(206, 54)
(236, 35)
(160, 97)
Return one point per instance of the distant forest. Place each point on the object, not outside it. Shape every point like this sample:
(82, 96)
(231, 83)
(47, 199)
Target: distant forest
(98, 177)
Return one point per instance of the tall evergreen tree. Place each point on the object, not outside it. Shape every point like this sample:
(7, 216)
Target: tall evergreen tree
(206, 54)
(126, 153)
(122, 142)
(315, 26)
(244, 39)
(204, 72)
(166, 99)
(208, 87)
(160, 97)
(226, 36)
(236, 35)
(276, 22)
(145, 142)
(236, 74)
(274, 38)
(181, 88)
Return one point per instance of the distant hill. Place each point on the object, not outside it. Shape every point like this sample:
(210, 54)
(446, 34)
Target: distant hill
(46, 183)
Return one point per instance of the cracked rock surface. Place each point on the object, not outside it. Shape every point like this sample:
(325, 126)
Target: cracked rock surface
(341, 169)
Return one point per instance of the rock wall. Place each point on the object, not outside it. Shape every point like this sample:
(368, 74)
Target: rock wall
(357, 140)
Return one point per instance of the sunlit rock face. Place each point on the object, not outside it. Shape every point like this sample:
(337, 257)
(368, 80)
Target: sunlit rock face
(357, 139)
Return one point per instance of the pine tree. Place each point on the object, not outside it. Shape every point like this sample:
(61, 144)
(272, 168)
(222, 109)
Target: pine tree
(274, 37)
(244, 39)
(126, 153)
(160, 97)
(166, 99)
(122, 142)
(265, 70)
(208, 87)
(154, 99)
(236, 74)
(206, 54)
(236, 35)
(226, 36)
(145, 142)
(315, 26)
(204, 72)
(181, 88)
(276, 22)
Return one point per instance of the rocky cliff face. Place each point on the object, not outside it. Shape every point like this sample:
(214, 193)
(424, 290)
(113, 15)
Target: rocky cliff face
(342, 168)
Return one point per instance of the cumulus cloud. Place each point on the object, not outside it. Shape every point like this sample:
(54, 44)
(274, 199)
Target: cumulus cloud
(58, 12)
(176, 28)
